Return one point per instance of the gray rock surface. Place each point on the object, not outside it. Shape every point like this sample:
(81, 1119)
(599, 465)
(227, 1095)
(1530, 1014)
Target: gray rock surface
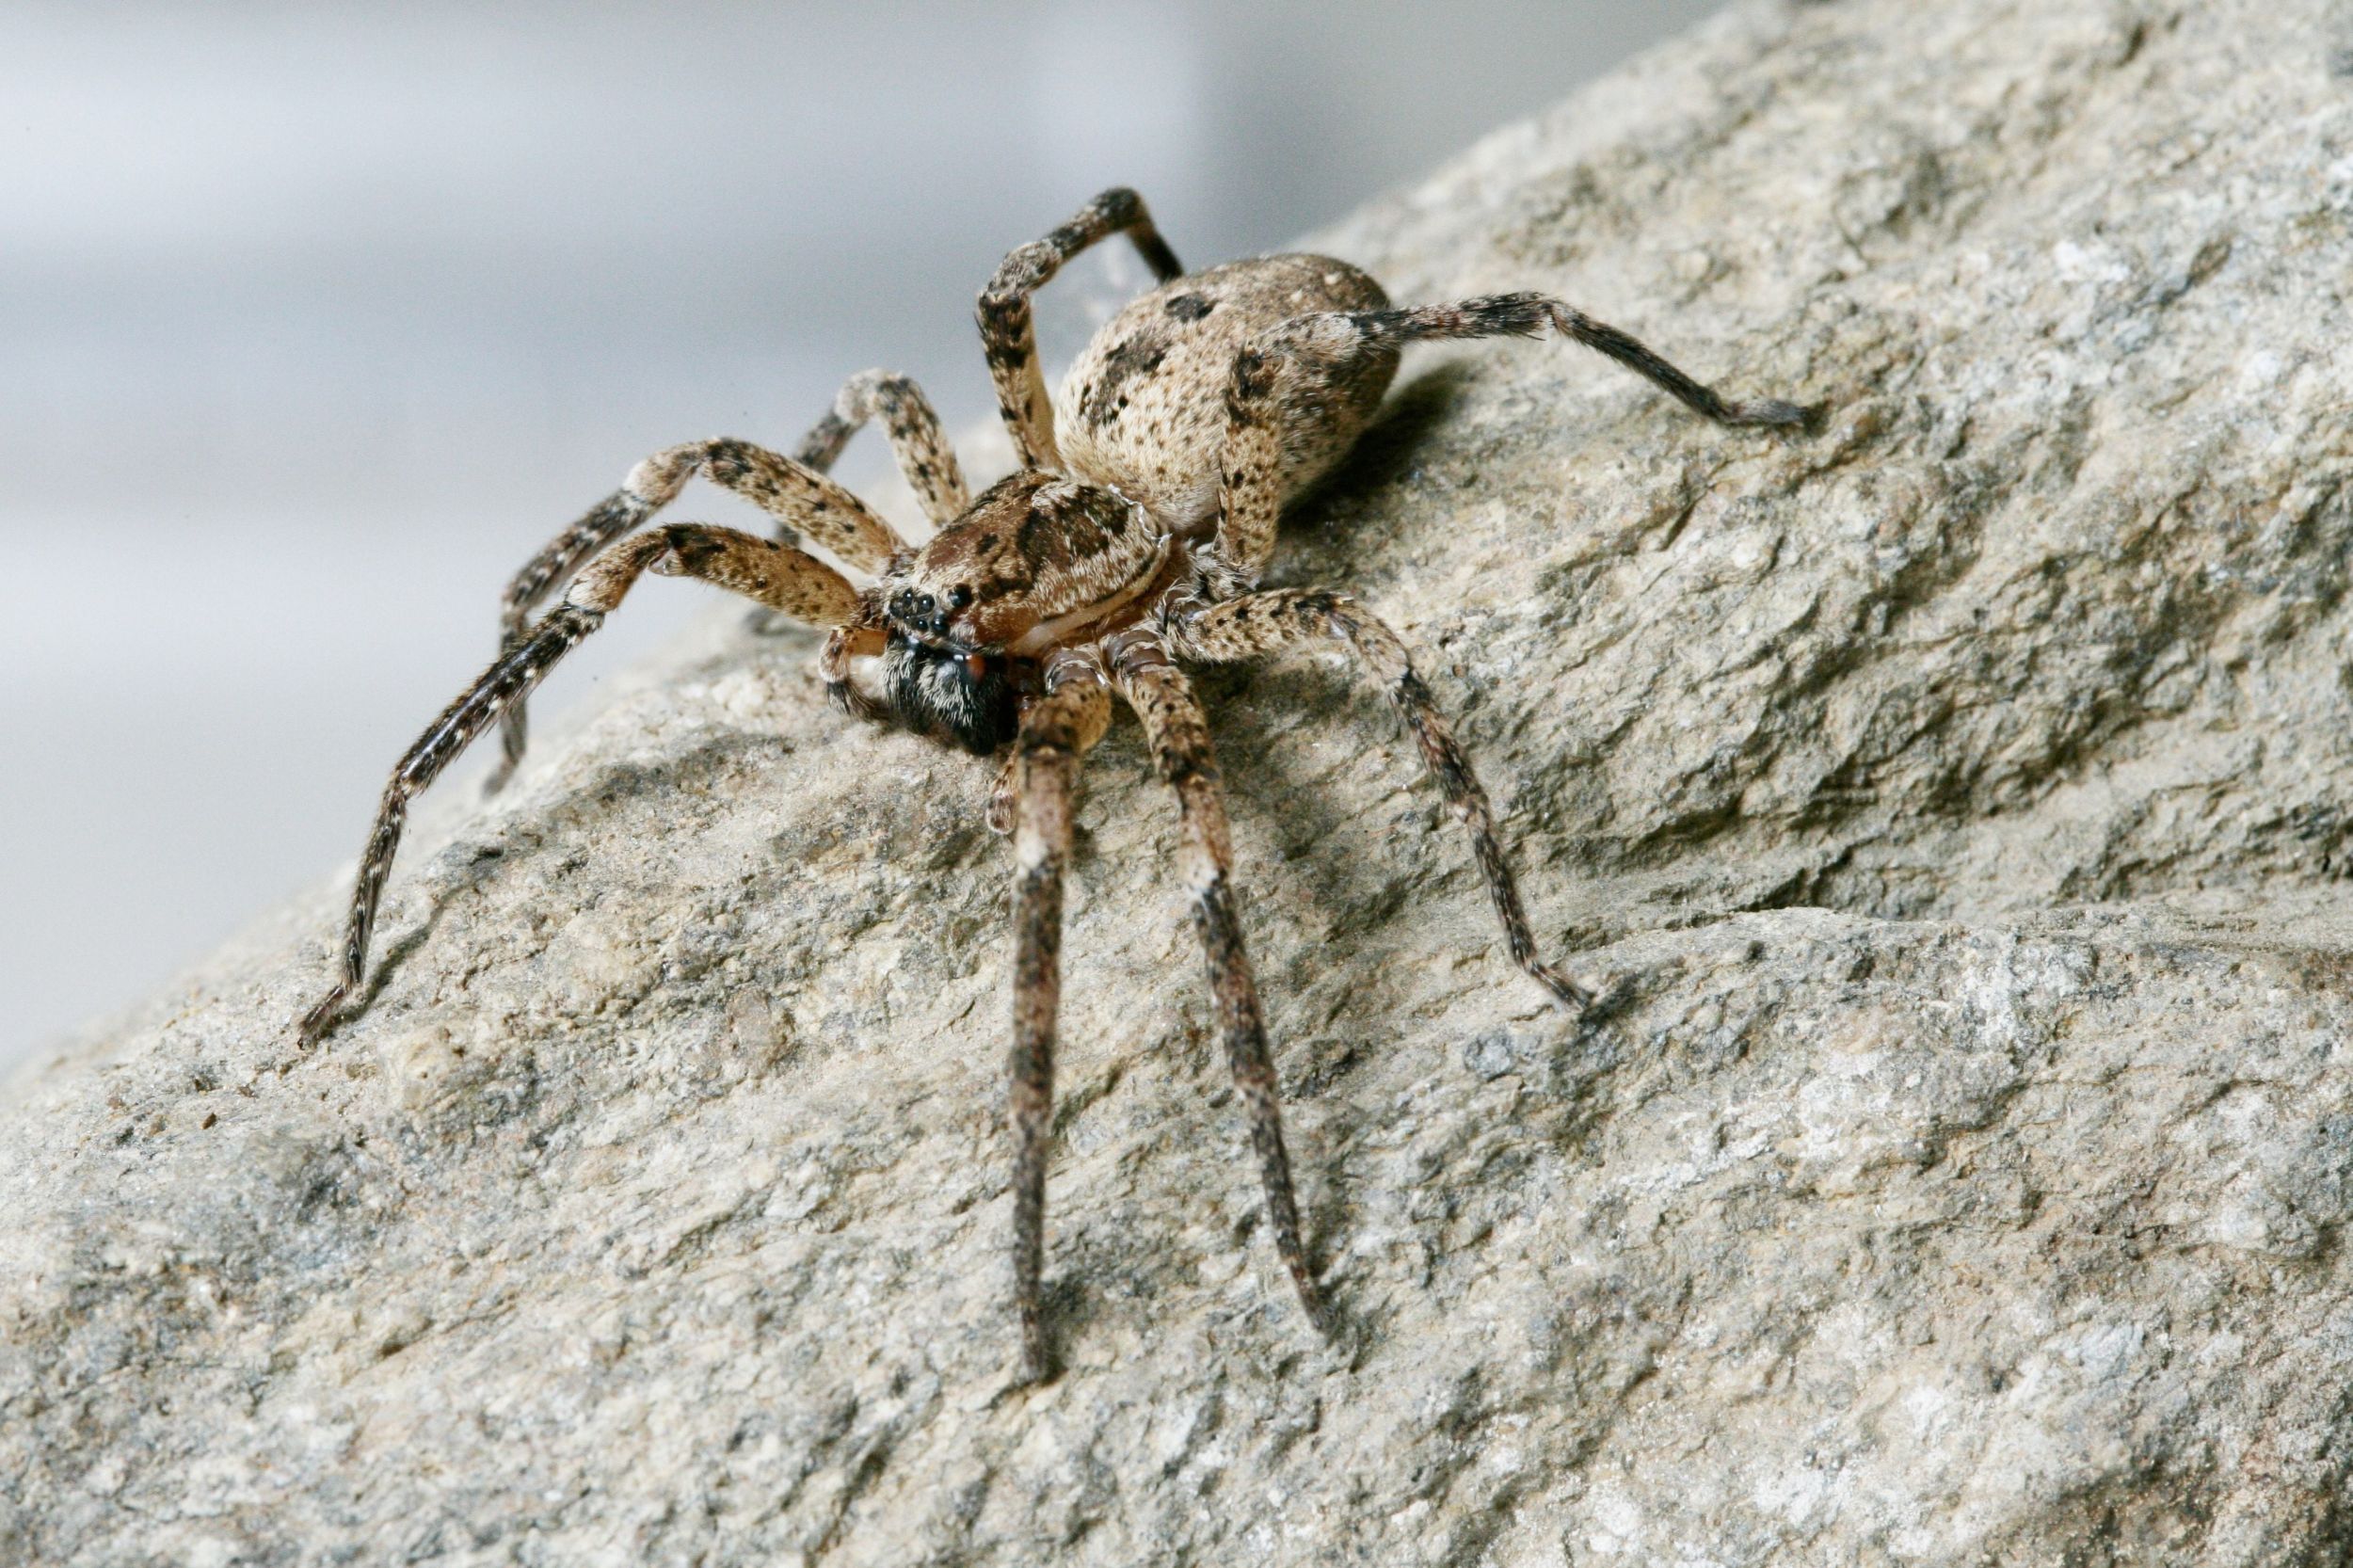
(1954, 802)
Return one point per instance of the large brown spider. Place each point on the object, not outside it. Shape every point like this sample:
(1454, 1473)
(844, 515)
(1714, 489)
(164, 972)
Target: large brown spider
(1129, 539)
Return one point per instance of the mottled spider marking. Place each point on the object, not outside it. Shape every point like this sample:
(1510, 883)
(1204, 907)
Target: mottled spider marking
(777, 575)
(1178, 733)
(505, 682)
(1528, 314)
(826, 515)
(1149, 416)
(766, 571)
(796, 494)
(1106, 396)
(919, 446)
(1201, 408)
(1056, 734)
(1008, 340)
(1292, 375)
(1034, 548)
(607, 520)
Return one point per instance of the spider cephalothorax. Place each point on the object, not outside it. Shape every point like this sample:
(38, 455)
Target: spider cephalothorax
(953, 632)
(1127, 544)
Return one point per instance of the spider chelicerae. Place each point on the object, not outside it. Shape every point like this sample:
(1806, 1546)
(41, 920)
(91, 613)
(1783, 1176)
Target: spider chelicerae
(1127, 544)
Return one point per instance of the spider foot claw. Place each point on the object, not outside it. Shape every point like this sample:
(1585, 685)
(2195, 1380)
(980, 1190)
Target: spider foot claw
(1325, 1321)
(314, 1024)
(1321, 1316)
(1772, 412)
(1567, 992)
(1037, 1359)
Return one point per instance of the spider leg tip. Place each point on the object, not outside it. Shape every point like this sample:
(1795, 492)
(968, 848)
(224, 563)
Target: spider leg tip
(1774, 412)
(312, 1026)
(1573, 995)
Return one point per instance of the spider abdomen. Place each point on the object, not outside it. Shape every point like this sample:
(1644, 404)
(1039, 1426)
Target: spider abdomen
(1142, 409)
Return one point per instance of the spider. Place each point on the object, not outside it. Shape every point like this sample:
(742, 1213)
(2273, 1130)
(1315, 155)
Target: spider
(1127, 544)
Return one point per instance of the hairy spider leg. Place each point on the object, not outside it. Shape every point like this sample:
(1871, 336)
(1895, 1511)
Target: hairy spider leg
(794, 493)
(1178, 733)
(1057, 732)
(1006, 334)
(1266, 622)
(1292, 361)
(777, 575)
(921, 448)
(925, 457)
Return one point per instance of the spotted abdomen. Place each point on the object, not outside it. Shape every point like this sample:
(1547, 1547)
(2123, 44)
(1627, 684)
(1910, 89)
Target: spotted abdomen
(1144, 407)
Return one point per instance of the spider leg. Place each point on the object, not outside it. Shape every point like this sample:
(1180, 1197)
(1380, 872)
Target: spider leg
(1056, 733)
(925, 459)
(795, 493)
(1007, 336)
(775, 575)
(1292, 364)
(1002, 807)
(1263, 622)
(1178, 735)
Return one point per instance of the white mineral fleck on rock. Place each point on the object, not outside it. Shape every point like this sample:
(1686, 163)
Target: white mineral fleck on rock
(1954, 804)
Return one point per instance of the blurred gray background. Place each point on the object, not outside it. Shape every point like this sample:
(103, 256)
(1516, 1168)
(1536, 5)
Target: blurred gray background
(316, 320)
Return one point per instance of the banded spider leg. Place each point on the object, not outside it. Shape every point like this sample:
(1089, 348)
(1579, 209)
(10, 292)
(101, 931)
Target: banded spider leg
(773, 574)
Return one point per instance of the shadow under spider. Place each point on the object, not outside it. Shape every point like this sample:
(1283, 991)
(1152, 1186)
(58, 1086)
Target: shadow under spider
(1322, 521)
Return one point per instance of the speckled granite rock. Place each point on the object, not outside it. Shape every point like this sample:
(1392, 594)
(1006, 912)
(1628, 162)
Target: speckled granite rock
(1954, 802)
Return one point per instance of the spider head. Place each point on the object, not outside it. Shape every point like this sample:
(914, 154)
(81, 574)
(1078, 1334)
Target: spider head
(968, 697)
(1032, 564)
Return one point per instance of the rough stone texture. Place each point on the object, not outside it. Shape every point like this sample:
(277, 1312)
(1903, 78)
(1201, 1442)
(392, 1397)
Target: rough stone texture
(1953, 801)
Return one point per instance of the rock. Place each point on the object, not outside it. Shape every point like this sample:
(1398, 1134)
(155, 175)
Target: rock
(1954, 803)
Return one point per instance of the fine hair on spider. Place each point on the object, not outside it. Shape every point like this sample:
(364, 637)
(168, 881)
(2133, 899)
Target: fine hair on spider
(1126, 546)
